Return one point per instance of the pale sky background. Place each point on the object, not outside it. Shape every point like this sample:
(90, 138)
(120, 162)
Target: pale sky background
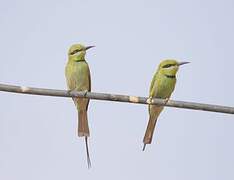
(38, 134)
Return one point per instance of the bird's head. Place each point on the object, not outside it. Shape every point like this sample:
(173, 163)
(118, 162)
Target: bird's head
(77, 52)
(170, 67)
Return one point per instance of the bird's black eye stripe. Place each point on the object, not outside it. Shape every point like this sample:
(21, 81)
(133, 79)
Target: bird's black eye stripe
(75, 51)
(168, 65)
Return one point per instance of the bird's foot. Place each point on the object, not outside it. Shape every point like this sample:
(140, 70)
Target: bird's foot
(166, 101)
(149, 100)
(84, 93)
(70, 91)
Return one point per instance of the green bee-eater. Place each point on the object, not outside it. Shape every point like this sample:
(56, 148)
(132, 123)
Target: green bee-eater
(162, 86)
(78, 78)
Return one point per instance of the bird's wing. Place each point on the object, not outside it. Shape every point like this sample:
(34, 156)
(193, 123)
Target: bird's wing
(153, 86)
(153, 89)
(71, 81)
(89, 77)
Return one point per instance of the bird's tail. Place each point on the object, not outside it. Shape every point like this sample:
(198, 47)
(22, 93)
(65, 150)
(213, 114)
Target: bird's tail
(154, 112)
(83, 130)
(83, 126)
(149, 132)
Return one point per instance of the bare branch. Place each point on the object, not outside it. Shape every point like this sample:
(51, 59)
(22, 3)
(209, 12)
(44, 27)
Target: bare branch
(115, 97)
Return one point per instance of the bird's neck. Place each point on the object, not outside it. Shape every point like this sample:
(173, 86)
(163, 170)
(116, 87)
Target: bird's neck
(76, 58)
(167, 75)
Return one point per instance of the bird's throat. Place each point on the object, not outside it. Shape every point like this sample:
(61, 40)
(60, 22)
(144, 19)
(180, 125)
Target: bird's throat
(82, 60)
(170, 76)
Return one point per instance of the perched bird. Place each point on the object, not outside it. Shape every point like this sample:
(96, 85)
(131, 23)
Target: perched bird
(78, 79)
(162, 86)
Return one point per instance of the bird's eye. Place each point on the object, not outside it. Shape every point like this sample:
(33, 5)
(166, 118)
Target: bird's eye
(168, 65)
(75, 51)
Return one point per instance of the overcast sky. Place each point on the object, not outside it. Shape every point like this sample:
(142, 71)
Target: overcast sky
(38, 134)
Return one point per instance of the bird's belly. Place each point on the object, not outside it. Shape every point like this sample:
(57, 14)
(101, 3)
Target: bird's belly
(78, 78)
(82, 81)
(165, 88)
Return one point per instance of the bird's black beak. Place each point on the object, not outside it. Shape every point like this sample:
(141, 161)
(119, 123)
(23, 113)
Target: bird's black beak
(89, 47)
(182, 63)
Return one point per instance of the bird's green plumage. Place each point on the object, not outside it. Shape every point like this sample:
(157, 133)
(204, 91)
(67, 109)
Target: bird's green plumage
(78, 78)
(162, 86)
(77, 73)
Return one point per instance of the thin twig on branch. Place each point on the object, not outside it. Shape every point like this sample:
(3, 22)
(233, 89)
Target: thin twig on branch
(115, 97)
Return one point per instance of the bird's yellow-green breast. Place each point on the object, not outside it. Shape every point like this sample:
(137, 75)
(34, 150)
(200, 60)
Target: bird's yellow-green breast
(78, 75)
